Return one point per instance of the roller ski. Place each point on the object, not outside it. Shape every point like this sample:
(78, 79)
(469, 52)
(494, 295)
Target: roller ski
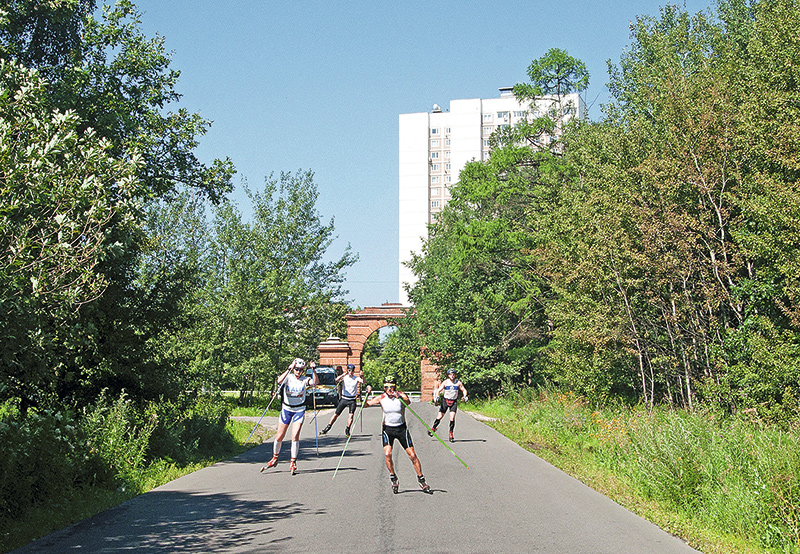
(272, 463)
(293, 467)
(395, 484)
(426, 488)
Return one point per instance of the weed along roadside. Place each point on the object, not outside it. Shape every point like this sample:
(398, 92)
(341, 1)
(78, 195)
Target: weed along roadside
(725, 485)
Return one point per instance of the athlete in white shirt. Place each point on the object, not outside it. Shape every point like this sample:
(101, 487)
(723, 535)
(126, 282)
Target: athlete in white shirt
(394, 428)
(293, 384)
(350, 385)
(450, 387)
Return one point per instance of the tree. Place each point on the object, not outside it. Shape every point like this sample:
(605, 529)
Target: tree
(62, 193)
(271, 294)
(119, 86)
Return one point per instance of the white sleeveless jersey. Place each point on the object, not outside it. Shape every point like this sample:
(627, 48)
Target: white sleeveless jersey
(350, 386)
(451, 389)
(294, 390)
(393, 410)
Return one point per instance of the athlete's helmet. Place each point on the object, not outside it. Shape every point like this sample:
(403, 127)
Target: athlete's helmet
(451, 371)
(388, 380)
(299, 363)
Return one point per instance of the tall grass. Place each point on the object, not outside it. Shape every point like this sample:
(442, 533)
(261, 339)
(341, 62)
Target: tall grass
(725, 477)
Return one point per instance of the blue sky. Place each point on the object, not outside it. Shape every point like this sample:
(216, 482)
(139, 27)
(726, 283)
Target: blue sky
(319, 85)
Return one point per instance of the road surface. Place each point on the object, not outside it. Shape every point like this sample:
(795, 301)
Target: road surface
(508, 501)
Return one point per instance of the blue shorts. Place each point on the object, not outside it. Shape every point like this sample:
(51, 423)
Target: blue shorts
(291, 416)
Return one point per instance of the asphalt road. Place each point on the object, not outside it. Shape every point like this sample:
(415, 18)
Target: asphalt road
(508, 500)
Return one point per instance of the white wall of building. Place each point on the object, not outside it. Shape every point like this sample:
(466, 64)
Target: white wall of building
(435, 147)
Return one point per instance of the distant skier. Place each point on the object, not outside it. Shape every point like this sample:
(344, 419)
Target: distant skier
(350, 386)
(293, 385)
(449, 401)
(394, 428)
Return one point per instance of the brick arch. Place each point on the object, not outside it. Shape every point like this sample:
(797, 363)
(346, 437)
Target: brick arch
(360, 325)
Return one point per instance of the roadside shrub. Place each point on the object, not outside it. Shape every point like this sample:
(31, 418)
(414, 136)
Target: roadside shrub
(117, 436)
(188, 429)
(41, 457)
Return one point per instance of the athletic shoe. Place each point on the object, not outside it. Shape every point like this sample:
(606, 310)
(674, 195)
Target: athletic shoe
(272, 463)
(327, 428)
(293, 466)
(347, 431)
(426, 488)
(451, 438)
(395, 484)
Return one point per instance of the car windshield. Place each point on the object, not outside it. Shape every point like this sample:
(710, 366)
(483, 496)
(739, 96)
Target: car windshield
(325, 378)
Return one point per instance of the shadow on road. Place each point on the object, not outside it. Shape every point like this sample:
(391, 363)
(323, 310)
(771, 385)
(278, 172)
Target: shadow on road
(170, 521)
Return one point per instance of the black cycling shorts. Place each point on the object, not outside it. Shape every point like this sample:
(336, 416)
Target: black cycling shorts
(400, 433)
(446, 404)
(345, 403)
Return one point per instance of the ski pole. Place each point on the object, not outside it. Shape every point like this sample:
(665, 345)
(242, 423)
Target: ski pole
(262, 416)
(314, 400)
(434, 434)
(349, 437)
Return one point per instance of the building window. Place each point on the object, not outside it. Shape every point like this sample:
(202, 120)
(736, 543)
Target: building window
(448, 179)
(434, 203)
(502, 115)
(447, 130)
(436, 192)
(447, 142)
(434, 131)
(447, 154)
(435, 167)
(434, 155)
(487, 129)
(487, 118)
(435, 142)
(435, 179)
(447, 167)
(519, 113)
(485, 143)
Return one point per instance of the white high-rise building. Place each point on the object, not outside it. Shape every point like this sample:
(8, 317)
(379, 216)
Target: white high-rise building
(434, 148)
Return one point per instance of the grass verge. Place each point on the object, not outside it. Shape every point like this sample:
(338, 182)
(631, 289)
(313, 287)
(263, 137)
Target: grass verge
(84, 502)
(723, 485)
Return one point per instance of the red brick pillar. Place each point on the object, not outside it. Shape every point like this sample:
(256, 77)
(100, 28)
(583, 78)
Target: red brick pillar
(430, 378)
(334, 352)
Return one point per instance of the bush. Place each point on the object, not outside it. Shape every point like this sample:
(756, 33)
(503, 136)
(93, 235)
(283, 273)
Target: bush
(188, 429)
(117, 436)
(42, 456)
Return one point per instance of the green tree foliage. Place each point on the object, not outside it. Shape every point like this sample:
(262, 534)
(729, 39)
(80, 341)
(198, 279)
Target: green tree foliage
(271, 293)
(398, 355)
(62, 193)
(116, 87)
(652, 254)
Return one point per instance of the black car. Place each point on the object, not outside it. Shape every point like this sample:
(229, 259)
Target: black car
(326, 392)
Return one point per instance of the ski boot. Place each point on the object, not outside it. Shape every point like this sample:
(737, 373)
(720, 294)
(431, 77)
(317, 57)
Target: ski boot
(426, 488)
(293, 466)
(272, 463)
(395, 484)
(327, 428)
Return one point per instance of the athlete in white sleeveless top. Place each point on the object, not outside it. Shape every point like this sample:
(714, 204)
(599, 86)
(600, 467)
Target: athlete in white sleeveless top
(393, 402)
(293, 384)
(350, 391)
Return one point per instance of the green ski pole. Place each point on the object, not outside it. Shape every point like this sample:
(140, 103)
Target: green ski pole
(434, 434)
